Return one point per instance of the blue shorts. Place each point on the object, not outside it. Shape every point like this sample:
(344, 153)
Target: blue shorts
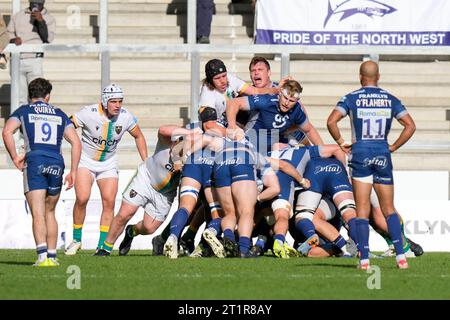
(199, 172)
(43, 172)
(287, 185)
(199, 167)
(327, 177)
(226, 174)
(372, 162)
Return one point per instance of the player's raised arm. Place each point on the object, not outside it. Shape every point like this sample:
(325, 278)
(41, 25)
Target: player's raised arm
(233, 107)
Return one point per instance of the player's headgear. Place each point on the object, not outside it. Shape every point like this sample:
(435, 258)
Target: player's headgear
(37, 1)
(213, 68)
(112, 91)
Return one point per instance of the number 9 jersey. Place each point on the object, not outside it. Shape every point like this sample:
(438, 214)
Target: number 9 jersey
(371, 110)
(42, 126)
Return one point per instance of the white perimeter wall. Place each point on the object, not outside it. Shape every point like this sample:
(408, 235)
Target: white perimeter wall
(421, 197)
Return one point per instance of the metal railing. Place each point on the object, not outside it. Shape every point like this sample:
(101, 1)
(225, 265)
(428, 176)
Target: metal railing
(194, 51)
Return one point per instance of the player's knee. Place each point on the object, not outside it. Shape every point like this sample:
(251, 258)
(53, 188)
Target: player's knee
(149, 227)
(81, 202)
(188, 191)
(280, 205)
(346, 205)
(304, 213)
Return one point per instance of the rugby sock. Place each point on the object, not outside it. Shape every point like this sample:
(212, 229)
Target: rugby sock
(166, 232)
(362, 227)
(261, 242)
(103, 233)
(244, 244)
(133, 232)
(395, 232)
(280, 237)
(406, 245)
(179, 220)
(306, 227)
(51, 253)
(229, 234)
(189, 234)
(108, 246)
(215, 224)
(352, 230)
(77, 232)
(41, 250)
(340, 242)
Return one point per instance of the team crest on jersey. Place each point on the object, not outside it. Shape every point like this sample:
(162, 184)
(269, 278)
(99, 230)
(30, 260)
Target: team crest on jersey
(118, 129)
(133, 193)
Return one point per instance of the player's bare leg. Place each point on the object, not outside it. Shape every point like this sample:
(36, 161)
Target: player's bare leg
(108, 191)
(52, 226)
(83, 186)
(385, 195)
(361, 191)
(244, 196)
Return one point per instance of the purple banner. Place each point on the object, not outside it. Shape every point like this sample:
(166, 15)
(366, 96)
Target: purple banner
(382, 38)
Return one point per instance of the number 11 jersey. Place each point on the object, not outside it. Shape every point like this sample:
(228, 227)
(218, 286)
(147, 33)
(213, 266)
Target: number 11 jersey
(371, 111)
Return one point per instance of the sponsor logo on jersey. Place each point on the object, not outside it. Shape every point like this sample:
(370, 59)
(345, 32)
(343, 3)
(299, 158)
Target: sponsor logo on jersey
(331, 168)
(100, 141)
(32, 118)
(169, 167)
(379, 161)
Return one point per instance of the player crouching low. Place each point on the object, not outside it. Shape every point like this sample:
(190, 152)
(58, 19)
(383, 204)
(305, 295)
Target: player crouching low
(154, 188)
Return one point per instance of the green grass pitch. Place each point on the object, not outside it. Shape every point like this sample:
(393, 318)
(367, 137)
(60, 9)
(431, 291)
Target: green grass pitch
(142, 276)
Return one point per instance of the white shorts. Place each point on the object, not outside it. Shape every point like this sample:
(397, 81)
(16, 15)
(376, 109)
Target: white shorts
(100, 169)
(328, 208)
(140, 193)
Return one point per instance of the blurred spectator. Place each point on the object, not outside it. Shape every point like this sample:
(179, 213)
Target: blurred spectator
(205, 10)
(34, 25)
(4, 40)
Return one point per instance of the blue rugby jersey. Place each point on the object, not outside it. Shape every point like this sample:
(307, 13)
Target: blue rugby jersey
(371, 110)
(42, 126)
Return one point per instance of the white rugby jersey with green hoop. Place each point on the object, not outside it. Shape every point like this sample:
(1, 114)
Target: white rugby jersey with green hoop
(101, 135)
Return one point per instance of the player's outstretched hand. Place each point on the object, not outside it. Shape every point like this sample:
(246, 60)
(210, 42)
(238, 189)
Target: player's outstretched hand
(70, 180)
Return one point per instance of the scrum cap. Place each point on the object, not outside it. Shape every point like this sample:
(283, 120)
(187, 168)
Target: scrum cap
(213, 68)
(112, 91)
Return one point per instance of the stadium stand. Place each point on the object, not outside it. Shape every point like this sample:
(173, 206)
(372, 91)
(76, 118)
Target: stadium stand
(157, 86)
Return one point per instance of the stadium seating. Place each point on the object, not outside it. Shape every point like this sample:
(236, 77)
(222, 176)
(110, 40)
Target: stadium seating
(157, 86)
